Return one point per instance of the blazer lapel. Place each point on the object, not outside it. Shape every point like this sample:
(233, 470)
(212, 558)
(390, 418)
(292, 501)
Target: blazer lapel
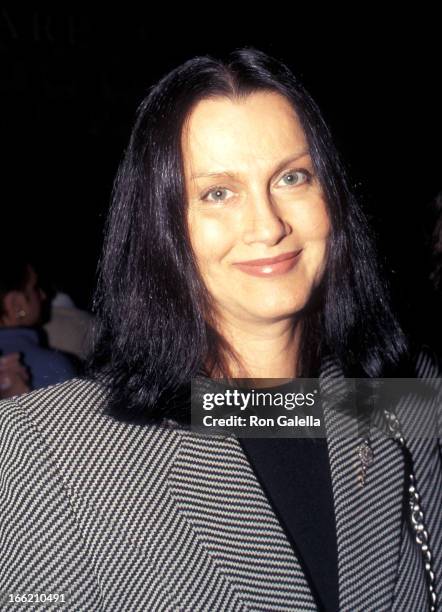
(218, 495)
(368, 518)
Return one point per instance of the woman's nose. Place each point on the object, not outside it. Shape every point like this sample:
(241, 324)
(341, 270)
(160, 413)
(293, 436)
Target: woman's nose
(263, 222)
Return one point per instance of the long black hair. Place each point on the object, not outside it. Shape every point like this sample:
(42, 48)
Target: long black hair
(155, 330)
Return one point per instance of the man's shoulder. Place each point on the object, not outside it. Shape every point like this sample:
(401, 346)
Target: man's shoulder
(49, 357)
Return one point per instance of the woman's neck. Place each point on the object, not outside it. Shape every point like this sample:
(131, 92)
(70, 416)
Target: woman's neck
(266, 351)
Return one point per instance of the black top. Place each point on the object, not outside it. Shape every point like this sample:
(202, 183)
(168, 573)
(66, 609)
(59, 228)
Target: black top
(295, 474)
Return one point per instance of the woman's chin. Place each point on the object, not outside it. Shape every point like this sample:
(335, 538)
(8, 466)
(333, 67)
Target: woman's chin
(274, 312)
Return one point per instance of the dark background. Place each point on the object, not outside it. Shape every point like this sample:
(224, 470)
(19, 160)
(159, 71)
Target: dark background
(71, 80)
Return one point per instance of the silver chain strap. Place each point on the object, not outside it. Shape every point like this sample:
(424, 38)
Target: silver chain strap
(416, 514)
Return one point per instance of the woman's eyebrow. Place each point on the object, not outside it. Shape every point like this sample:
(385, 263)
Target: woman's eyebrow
(232, 174)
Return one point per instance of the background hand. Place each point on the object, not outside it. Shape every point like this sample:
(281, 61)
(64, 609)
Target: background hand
(14, 377)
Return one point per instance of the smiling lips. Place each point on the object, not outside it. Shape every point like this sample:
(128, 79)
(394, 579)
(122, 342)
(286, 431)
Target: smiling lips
(270, 266)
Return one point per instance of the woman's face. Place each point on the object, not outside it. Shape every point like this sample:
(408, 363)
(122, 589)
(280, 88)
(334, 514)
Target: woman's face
(252, 194)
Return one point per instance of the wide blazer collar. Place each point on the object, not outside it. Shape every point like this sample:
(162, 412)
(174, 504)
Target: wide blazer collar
(369, 519)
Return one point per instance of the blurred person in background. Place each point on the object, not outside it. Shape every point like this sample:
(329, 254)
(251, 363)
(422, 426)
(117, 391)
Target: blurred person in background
(69, 328)
(21, 303)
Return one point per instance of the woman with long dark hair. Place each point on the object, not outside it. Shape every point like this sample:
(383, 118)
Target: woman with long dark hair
(234, 248)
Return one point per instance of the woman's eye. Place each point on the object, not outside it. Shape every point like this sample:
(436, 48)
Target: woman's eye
(218, 195)
(297, 177)
(292, 178)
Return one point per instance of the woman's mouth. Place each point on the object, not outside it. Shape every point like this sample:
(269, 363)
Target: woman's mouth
(271, 266)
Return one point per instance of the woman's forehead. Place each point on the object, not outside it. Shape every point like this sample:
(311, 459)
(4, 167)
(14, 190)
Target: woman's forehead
(263, 126)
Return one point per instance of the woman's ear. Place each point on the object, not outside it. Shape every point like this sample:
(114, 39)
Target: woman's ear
(14, 308)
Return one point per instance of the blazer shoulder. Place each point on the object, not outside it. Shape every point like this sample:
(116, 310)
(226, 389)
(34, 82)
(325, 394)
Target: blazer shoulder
(72, 401)
(68, 425)
(81, 392)
(427, 364)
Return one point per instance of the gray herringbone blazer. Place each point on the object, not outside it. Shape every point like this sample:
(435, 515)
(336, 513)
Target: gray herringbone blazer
(120, 516)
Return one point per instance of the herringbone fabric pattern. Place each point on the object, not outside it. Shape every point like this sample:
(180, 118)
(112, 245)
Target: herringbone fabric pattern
(126, 517)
